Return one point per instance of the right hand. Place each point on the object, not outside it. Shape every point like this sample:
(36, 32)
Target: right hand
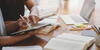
(22, 23)
(30, 20)
(33, 19)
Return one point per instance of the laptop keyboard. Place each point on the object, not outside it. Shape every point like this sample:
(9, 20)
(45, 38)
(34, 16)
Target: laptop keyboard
(77, 19)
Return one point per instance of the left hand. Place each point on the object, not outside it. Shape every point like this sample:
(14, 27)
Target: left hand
(33, 19)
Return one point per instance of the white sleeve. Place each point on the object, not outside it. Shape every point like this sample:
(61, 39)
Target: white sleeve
(35, 11)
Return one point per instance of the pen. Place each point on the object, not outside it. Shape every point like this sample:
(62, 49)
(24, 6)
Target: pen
(28, 24)
(22, 18)
(34, 19)
(95, 29)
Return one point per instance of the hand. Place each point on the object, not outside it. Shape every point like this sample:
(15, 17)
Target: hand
(22, 23)
(34, 19)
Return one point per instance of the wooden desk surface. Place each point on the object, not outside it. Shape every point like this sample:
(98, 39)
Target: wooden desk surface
(43, 39)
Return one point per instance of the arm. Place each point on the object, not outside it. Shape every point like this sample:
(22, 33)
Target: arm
(9, 40)
(29, 4)
(11, 26)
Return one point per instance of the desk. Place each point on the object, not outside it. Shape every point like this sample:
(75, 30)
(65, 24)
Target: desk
(45, 38)
(38, 41)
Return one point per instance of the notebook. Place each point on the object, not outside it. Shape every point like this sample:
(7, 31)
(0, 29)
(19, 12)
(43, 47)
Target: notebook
(68, 41)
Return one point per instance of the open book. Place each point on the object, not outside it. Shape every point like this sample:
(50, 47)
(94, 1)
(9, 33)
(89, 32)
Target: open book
(69, 42)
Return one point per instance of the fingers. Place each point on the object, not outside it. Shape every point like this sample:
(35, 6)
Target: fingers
(24, 21)
(22, 24)
(34, 19)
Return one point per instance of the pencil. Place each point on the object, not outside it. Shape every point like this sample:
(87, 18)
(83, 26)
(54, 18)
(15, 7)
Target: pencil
(34, 19)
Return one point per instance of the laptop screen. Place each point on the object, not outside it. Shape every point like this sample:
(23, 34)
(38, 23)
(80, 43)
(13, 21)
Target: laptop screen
(87, 9)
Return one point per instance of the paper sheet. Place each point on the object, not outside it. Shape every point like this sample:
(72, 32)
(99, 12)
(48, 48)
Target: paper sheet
(23, 48)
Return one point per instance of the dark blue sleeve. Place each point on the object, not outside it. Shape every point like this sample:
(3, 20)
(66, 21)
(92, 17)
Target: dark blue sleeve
(0, 47)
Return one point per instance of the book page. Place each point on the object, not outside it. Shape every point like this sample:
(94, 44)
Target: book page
(59, 44)
(84, 39)
(67, 19)
(49, 21)
(75, 37)
(68, 41)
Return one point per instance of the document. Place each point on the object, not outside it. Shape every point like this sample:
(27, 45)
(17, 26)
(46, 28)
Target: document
(23, 48)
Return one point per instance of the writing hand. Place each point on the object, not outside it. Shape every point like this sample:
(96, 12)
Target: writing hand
(33, 19)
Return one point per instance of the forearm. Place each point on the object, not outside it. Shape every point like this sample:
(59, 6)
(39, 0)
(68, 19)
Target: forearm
(29, 4)
(9, 40)
(11, 26)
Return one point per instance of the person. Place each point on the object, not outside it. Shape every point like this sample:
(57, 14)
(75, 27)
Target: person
(11, 10)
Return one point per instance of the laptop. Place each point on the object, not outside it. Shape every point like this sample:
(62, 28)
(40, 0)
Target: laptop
(83, 17)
